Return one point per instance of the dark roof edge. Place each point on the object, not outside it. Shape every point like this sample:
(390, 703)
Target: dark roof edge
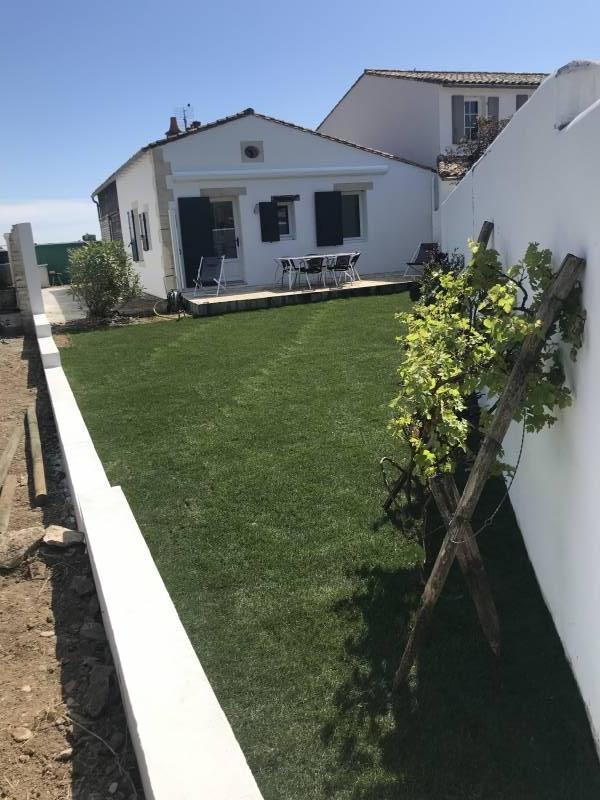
(421, 77)
(251, 112)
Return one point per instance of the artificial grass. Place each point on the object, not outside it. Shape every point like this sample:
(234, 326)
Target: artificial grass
(248, 447)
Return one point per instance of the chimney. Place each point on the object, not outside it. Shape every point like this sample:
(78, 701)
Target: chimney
(194, 124)
(173, 128)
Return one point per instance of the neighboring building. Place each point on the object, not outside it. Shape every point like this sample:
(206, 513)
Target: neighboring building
(254, 188)
(418, 115)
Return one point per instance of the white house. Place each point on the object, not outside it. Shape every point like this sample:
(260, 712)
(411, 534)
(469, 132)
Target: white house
(419, 115)
(254, 188)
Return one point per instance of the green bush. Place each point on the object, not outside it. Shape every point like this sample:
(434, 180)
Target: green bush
(103, 276)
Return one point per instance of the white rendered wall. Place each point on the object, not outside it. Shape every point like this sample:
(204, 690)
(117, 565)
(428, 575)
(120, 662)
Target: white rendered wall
(539, 183)
(136, 189)
(398, 116)
(397, 210)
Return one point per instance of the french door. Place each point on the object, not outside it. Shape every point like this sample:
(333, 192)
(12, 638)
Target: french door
(226, 236)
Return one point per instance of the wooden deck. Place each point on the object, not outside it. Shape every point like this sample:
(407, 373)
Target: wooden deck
(241, 298)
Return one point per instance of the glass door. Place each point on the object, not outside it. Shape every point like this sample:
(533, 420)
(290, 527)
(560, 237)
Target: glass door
(226, 237)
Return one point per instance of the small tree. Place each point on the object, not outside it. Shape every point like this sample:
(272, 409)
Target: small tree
(103, 276)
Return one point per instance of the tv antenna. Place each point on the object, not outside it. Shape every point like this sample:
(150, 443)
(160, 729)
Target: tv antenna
(185, 114)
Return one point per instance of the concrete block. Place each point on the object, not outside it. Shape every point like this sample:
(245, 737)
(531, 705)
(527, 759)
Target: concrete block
(49, 352)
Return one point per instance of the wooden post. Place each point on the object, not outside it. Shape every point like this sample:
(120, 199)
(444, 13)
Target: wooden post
(10, 450)
(553, 298)
(446, 495)
(485, 233)
(37, 460)
(6, 499)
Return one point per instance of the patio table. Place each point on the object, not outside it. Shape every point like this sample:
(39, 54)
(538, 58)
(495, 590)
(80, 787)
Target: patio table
(293, 270)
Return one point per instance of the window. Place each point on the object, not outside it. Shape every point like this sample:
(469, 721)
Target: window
(471, 114)
(285, 220)
(225, 239)
(135, 253)
(351, 215)
(144, 237)
(114, 228)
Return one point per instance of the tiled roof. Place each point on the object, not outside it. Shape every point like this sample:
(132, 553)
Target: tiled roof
(250, 112)
(463, 78)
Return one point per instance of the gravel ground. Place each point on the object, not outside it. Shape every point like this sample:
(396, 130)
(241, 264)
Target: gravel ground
(62, 728)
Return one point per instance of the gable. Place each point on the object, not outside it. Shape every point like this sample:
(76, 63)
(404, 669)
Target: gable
(281, 146)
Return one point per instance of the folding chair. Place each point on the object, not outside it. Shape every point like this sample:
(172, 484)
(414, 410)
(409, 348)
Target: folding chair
(425, 252)
(210, 273)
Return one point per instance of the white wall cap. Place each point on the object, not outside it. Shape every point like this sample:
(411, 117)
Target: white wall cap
(49, 352)
(41, 325)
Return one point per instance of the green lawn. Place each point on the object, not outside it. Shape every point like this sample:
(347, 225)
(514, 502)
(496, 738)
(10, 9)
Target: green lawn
(248, 447)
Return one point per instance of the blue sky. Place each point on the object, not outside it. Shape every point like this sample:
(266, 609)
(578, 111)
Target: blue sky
(85, 85)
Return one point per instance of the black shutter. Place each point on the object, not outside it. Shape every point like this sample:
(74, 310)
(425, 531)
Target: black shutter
(521, 100)
(328, 214)
(195, 223)
(493, 108)
(269, 226)
(458, 118)
(135, 255)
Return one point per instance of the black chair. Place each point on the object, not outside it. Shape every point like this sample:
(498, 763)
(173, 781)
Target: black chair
(288, 267)
(210, 273)
(342, 265)
(312, 265)
(426, 252)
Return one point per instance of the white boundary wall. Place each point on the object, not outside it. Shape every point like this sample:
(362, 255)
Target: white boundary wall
(540, 182)
(183, 742)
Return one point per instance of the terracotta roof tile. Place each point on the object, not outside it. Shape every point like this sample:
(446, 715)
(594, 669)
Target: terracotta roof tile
(463, 78)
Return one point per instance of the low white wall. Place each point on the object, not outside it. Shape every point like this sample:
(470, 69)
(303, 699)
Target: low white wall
(539, 182)
(184, 744)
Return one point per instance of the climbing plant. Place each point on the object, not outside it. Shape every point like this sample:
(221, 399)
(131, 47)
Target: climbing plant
(459, 343)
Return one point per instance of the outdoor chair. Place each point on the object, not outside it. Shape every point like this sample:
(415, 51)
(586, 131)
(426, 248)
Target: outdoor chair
(312, 265)
(288, 267)
(210, 274)
(425, 252)
(342, 265)
(354, 258)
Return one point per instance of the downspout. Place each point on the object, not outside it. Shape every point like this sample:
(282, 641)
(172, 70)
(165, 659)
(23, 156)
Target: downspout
(98, 210)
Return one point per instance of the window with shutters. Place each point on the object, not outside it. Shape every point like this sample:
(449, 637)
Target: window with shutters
(144, 235)
(352, 215)
(471, 114)
(286, 221)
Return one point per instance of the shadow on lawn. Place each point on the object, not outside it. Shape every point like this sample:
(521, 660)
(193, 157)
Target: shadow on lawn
(469, 726)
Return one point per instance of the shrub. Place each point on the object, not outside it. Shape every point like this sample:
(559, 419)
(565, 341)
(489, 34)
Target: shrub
(103, 276)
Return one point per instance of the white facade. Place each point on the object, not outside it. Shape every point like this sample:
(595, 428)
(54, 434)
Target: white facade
(394, 198)
(136, 192)
(408, 117)
(539, 183)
